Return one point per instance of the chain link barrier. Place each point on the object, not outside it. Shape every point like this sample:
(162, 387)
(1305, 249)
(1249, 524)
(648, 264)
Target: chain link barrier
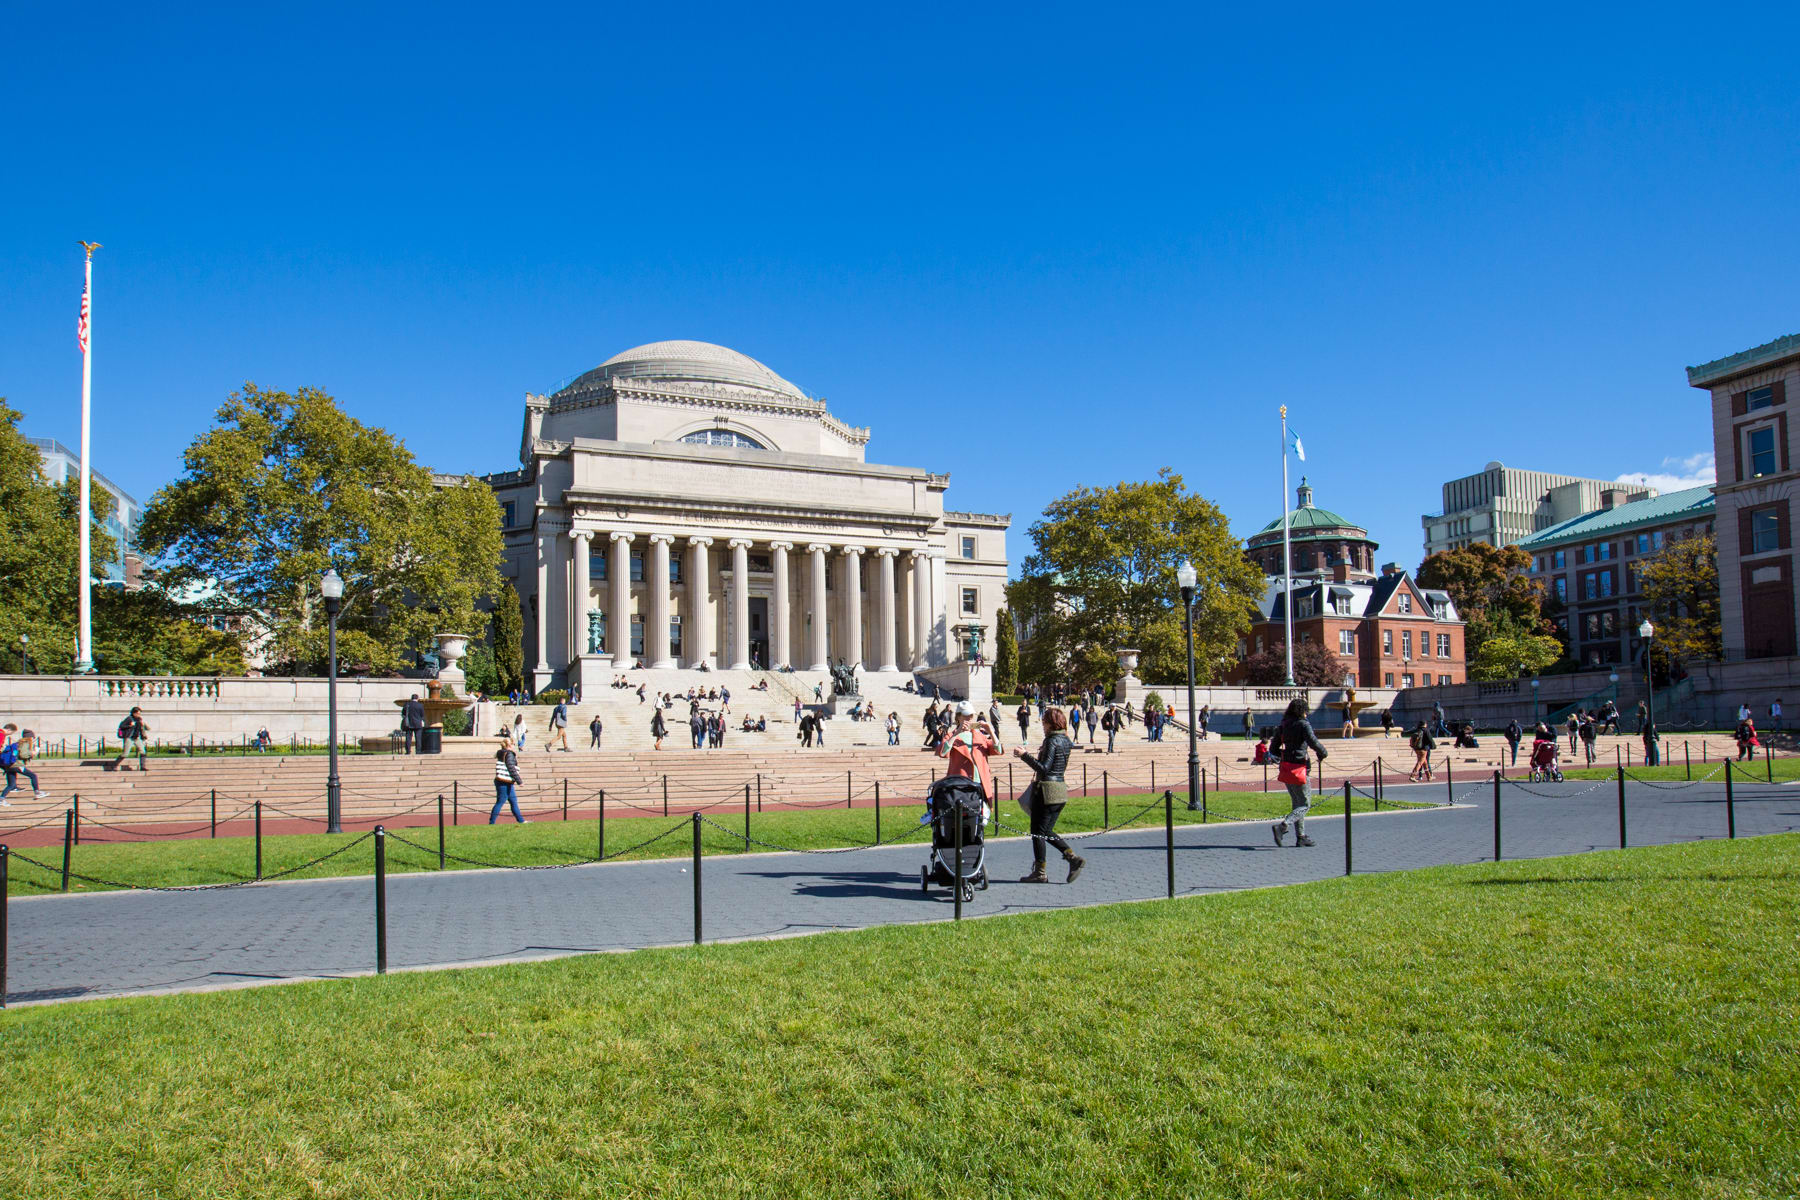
(737, 835)
(1674, 787)
(684, 823)
(194, 887)
(1594, 787)
(132, 833)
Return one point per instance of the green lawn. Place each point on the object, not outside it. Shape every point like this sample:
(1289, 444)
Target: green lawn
(1618, 1024)
(207, 860)
(1782, 769)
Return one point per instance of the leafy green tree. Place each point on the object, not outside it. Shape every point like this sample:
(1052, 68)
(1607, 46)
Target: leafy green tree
(148, 632)
(1314, 666)
(509, 642)
(1510, 650)
(1680, 587)
(1006, 653)
(288, 485)
(1492, 592)
(1102, 575)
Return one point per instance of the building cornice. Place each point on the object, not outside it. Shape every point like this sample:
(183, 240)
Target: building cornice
(1756, 358)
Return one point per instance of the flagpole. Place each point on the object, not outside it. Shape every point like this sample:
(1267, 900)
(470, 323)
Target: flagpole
(84, 650)
(1287, 554)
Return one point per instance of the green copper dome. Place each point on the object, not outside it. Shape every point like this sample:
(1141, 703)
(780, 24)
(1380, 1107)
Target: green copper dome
(1309, 518)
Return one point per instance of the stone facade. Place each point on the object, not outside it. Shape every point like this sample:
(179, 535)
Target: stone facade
(1502, 505)
(682, 505)
(1754, 447)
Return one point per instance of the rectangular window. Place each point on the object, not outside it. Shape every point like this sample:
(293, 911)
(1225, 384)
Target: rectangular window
(1562, 559)
(1643, 543)
(1590, 587)
(637, 635)
(762, 564)
(1303, 607)
(637, 566)
(1259, 643)
(674, 568)
(1387, 642)
(1761, 444)
(1756, 398)
(675, 636)
(1341, 605)
(1406, 681)
(1405, 603)
(1406, 642)
(1606, 582)
(1765, 530)
(1390, 679)
(1305, 637)
(1609, 624)
(1631, 578)
(1562, 588)
(506, 514)
(1656, 540)
(1443, 643)
(1590, 627)
(1443, 681)
(968, 547)
(597, 567)
(1346, 642)
(1605, 551)
(969, 602)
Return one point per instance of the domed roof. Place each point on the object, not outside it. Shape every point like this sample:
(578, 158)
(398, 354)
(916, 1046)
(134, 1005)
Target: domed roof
(1308, 518)
(681, 360)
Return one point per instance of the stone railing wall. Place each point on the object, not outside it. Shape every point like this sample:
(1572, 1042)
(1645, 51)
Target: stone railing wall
(206, 708)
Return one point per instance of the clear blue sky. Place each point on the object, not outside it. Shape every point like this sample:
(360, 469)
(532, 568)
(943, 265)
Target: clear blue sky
(1038, 248)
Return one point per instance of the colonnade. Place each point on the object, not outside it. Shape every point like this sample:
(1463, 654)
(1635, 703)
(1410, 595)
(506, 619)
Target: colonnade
(834, 617)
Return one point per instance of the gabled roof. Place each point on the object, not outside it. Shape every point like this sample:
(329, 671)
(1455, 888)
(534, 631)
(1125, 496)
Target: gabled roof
(1368, 597)
(1687, 504)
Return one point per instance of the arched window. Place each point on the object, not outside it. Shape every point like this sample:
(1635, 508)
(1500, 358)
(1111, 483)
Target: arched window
(723, 437)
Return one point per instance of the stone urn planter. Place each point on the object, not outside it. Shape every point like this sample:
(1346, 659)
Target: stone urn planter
(451, 647)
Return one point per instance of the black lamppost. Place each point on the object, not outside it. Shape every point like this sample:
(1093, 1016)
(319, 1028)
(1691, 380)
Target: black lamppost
(1189, 579)
(332, 588)
(24, 654)
(1647, 631)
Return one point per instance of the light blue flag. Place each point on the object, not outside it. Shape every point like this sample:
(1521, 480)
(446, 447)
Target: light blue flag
(1299, 450)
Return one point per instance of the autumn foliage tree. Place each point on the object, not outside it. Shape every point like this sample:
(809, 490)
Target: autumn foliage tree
(1314, 666)
(1493, 594)
(1680, 588)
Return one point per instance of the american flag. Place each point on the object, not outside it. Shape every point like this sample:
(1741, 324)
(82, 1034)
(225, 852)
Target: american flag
(81, 328)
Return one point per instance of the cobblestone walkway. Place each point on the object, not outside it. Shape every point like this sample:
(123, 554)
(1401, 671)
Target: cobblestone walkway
(71, 947)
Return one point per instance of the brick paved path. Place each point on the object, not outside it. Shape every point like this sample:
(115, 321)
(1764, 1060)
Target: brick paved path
(68, 947)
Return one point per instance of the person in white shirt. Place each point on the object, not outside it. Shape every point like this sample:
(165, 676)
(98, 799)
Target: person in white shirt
(1775, 714)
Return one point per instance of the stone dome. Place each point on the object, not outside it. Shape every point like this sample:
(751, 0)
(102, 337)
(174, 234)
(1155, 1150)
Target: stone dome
(682, 360)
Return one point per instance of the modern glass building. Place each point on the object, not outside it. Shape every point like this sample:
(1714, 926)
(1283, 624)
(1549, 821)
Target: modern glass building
(62, 463)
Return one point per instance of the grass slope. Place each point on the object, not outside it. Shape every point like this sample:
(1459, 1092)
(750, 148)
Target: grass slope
(208, 860)
(1618, 1024)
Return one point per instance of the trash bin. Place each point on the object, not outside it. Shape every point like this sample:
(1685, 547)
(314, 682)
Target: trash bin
(431, 741)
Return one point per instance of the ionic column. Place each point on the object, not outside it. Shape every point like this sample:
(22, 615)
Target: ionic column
(817, 600)
(740, 604)
(853, 606)
(921, 634)
(579, 644)
(618, 614)
(697, 626)
(656, 637)
(543, 607)
(886, 654)
(781, 618)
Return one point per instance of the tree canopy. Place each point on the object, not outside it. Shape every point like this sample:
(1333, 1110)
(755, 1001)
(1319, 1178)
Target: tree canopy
(1680, 588)
(1492, 592)
(1314, 666)
(286, 486)
(1102, 575)
(1006, 653)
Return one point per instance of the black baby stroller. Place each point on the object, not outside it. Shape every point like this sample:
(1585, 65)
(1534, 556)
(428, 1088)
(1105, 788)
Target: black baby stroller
(954, 799)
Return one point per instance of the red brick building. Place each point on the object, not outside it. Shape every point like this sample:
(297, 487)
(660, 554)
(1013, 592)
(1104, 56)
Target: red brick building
(1388, 631)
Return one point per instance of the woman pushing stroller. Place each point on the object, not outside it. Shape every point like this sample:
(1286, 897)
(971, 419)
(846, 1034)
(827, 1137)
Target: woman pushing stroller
(1044, 799)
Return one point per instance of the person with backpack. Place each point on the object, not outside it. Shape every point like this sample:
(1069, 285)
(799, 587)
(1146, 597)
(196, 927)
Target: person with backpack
(1110, 723)
(506, 784)
(1422, 744)
(1514, 734)
(1292, 741)
(133, 735)
(1746, 739)
(412, 724)
(559, 727)
(1590, 731)
(15, 759)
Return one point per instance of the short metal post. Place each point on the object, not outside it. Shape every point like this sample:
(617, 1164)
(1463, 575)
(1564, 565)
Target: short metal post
(5, 885)
(455, 802)
(1617, 758)
(956, 884)
(696, 819)
(565, 799)
(380, 900)
(1687, 759)
(1730, 806)
(1084, 779)
(1347, 842)
(1768, 764)
(1011, 792)
(215, 814)
(666, 806)
(259, 839)
(1203, 795)
(1105, 800)
(440, 831)
(1621, 808)
(1153, 774)
(1496, 816)
(746, 818)
(76, 800)
(601, 821)
(1265, 774)
(1169, 835)
(848, 794)
(878, 812)
(68, 840)
(759, 791)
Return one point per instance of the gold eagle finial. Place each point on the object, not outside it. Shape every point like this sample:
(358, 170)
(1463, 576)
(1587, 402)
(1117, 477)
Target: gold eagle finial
(91, 247)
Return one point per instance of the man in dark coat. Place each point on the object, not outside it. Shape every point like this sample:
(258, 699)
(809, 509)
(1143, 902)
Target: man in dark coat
(412, 722)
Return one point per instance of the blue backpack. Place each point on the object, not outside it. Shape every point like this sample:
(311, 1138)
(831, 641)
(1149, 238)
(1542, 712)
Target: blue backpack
(9, 754)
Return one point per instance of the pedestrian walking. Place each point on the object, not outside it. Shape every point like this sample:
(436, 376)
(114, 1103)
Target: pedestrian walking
(595, 729)
(1652, 747)
(1514, 734)
(506, 784)
(1422, 744)
(559, 727)
(659, 728)
(1093, 723)
(15, 759)
(893, 728)
(518, 732)
(1110, 723)
(1205, 718)
(1024, 715)
(1747, 740)
(696, 727)
(1574, 729)
(134, 737)
(1775, 713)
(1249, 726)
(1045, 797)
(412, 724)
(1292, 741)
(1590, 732)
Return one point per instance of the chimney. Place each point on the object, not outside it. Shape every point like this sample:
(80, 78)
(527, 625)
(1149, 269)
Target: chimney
(1341, 573)
(1390, 568)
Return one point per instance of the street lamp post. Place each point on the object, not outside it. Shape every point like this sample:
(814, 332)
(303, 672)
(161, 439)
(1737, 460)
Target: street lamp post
(332, 588)
(24, 654)
(1647, 631)
(1189, 579)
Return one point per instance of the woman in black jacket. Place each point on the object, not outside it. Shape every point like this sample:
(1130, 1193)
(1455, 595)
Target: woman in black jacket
(1048, 793)
(1292, 741)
